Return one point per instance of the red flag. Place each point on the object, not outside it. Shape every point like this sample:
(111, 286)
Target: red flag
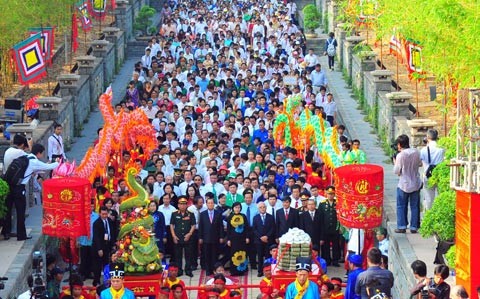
(113, 4)
(74, 32)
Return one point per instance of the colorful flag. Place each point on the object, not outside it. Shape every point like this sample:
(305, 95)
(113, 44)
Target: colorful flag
(74, 32)
(29, 59)
(99, 9)
(414, 56)
(47, 40)
(83, 7)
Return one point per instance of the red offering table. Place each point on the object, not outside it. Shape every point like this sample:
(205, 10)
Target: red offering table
(144, 285)
(281, 279)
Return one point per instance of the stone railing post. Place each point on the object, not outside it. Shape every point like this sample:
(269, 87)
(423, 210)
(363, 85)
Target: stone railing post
(350, 43)
(340, 36)
(399, 103)
(48, 108)
(68, 84)
(418, 130)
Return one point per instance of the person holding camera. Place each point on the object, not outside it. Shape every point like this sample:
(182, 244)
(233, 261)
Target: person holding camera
(406, 164)
(419, 269)
(431, 155)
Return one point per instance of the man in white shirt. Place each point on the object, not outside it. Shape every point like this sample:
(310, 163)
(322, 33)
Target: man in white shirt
(430, 155)
(312, 60)
(150, 110)
(17, 192)
(215, 187)
(330, 108)
(55, 144)
(147, 58)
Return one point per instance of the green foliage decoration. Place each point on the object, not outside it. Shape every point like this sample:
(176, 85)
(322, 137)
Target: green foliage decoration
(143, 21)
(451, 256)
(4, 189)
(311, 17)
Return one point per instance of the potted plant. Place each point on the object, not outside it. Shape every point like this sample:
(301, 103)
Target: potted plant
(143, 21)
(311, 20)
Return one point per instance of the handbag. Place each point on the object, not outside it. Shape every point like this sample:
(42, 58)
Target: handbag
(431, 167)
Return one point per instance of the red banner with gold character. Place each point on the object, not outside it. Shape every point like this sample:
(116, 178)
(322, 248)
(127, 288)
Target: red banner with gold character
(66, 207)
(359, 192)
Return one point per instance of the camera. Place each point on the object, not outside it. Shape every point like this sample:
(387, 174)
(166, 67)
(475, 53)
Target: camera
(424, 294)
(39, 288)
(394, 147)
(2, 285)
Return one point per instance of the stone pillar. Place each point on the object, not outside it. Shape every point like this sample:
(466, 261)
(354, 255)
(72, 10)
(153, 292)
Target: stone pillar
(48, 108)
(99, 48)
(382, 80)
(350, 43)
(85, 64)
(111, 34)
(399, 102)
(120, 14)
(332, 16)
(340, 35)
(418, 130)
(68, 84)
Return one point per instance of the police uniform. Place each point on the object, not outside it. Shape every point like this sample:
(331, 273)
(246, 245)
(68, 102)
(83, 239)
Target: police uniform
(182, 225)
(330, 229)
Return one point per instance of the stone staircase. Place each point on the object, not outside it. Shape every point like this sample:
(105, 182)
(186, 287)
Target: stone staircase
(136, 48)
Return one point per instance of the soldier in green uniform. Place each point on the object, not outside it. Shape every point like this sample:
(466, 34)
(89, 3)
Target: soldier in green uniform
(330, 228)
(182, 226)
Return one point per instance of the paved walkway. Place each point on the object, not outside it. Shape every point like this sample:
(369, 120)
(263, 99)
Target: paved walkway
(353, 118)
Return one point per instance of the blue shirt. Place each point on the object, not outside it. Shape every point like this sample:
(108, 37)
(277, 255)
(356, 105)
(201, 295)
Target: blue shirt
(127, 294)
(84, 240)
(351, 281)
(262, 134)
(253, 211)
(203, 84)
(312, 291)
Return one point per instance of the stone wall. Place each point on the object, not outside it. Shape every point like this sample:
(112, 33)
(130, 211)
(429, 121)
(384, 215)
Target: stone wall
(361, 65)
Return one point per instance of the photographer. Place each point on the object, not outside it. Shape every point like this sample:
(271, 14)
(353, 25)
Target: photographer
(431, 155)
(406, 167)
(419, 269)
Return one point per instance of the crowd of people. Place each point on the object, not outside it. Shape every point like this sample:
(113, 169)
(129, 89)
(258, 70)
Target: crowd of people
(222, 191)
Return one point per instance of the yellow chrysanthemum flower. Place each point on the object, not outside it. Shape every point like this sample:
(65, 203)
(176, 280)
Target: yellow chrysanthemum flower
(236, 220)
(239, 257)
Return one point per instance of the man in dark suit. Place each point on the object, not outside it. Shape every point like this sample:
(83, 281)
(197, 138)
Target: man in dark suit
(286, 218)
(210, 234)
(104, 237)
(264, 234)
(311, 222)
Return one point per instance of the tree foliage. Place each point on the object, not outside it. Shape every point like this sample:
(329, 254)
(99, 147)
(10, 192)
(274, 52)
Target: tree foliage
(19, 15)
(446, 29)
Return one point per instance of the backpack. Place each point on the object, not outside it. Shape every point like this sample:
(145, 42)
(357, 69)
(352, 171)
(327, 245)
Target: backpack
(16, 170)
(331, 48)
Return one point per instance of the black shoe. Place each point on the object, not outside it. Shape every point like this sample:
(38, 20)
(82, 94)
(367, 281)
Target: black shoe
(259, 274)
(413, 231)
(23, 239)
(6, 237)
(335, 265)
(189, 274)
(13, 235)
(400, 230)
